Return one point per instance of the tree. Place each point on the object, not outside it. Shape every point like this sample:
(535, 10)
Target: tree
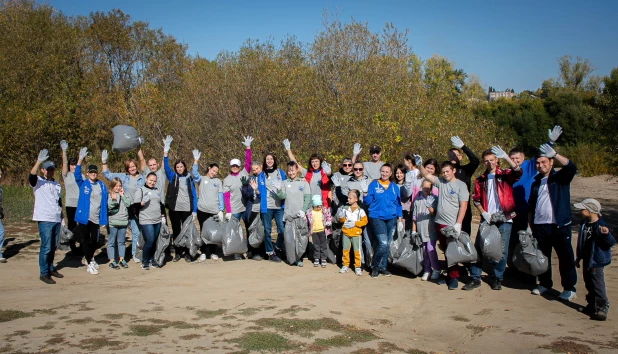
(572, 75)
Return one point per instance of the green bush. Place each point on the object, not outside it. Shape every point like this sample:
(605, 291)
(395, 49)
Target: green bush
(590, 159)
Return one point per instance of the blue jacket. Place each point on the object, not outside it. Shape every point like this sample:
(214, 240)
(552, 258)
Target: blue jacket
(601, 253)
(263, 192)
(172, 188)
(83, 201)
(559, 186)
(124, 178)
(521, 188)
(384, 204)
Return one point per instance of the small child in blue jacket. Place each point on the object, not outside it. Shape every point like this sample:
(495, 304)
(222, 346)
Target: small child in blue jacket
(594, 248)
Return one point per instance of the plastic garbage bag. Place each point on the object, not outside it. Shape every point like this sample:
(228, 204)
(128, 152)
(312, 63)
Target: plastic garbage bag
(367, 252)
(163, 243)
(140, 246)
(497, 217)
(527, 256)
(256, 233)
(212, 231)
(334, 246)
(125, 138)
(187, 236)
(234, 240)
(296, 238)
(459, 248)
(63, 239)
(410, 254)
(490, 242)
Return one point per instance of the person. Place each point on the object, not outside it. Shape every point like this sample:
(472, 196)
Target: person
(254, 203)
(320, 222)
(360, 182)
(431, 165)
(71, 192)
(152, 166)
(339, 180)
(180, 199)
(464, 173)
(118, 205)
(353, 218)
(453, 200)
(549, 218)
(423, 224)
(412, 176)
(91, 211)
(493, 196)
(131, 180)
(372, 167)
(594, 245)
(317, 174)
(269, 182)
(383, 199)
(404, 182)
(151, 214)
(2, 259)
(47, 213)
(209, 202)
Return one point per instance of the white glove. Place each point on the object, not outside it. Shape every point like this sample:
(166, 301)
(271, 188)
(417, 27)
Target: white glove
(104, 156)
(43, 155)
(64, 145)
(83, 152)
(429, 201)
(457, 142)
(163, 220)
(349, 224)
(357, 149)
(63, 223)
(413, 233)
(300, 214)
(286, 144)
(548, 151)
(554, 134)
(220, 214)
(399, 226)
(457, 228)
(336, 182)
(418, 160)
(326, 167)
(194, 216)
(228, 216)
(146, 198)
(196, 154)
(167, 142)
(486, 216)
(247, 142)
(529, 230)
(364, 186)
(497, 150)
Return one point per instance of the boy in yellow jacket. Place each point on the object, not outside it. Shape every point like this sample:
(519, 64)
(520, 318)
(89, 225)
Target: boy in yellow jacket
(353, 218)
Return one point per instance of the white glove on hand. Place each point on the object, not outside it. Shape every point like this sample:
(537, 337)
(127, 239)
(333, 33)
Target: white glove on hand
(194, 216)
(486, 216)
(247, 142)
(63, 223)
(83, 152)
(336, 182)
(300, 214)
(146, 198)
(364, 186)
(457, 228)
(357, 149)
(349, 224)
(43, 155)
(554, 134)
(326, 167)
(429, 201)
(548, 151)
(64, 145)
(196, 154)
(167, 143)
(228, 216)
(399, 226)
(163, 220)
(286, 144)
(220, 215)
(418, 160)
(497, 150)
(457, 142)
(104, 156)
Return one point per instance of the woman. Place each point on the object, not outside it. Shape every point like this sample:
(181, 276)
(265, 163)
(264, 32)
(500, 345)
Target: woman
(405, 187)
(180, 199)
(254, 204)
(384, 201)
(91, 209)
(269, 182)
(340, 181)
(72, 191)
(151, 213)
(210, 201)
(118, 214)
(316, 174)
(131, 180)
(431, 165)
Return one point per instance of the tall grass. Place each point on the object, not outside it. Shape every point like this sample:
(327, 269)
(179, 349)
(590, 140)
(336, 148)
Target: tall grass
(18, 202)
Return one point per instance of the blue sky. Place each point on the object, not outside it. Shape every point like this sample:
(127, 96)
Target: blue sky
(512, 44)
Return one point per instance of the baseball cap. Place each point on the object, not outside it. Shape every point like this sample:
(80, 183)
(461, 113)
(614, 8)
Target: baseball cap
(235, 162)
(375, 148)
(93, 168)
(592, 205)
(48, 164)
(316, 200)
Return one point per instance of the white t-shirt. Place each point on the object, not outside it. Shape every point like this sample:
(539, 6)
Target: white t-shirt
(46, 196)
(544, 212)
(493, 203)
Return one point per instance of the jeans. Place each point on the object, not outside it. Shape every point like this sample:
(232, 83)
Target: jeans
(150, 233)
(267, 221)
(383, 235)
(115, 239)
(559, 238)
(595, 284)
(49, 232)
(1, 237)
(134, 235)
(476, 269)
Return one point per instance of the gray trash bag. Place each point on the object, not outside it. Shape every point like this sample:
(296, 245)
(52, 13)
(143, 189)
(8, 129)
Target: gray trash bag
(212, 231)
(490, 242)
(163, 243)
(256, 233)
(187, 236)
(410, 254)
(459, 248)
(296, 238)
(125, 138)
(368, 251)
(527, 256)
(334, 246)
(234, 240)
(497, 217)
(140, 246)
(63, 239)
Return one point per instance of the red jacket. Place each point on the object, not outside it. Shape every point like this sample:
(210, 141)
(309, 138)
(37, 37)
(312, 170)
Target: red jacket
(504, 188)
(324, 185)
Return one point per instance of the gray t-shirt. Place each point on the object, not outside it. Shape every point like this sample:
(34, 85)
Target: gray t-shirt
(233, 185)
(272, 199)
(316, 181)
(424, 220)
(257, 198)
(183, 202)
(150, 213)
(131, 187)
(95, 203)
(72, 189)
(372, 170)
(121, 218)
(295, 192)
(449, 196)
(353, 183)
(210, 188)
(161, 179)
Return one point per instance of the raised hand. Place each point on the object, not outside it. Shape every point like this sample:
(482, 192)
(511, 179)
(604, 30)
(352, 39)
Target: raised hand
(497, 150)
(83, 152)
(326, 167)
(429, 201)
(548, 151)
(196, 154)
(357, 149)
(167, 143)
(457, 142)
(43, 155)
(64, 145)
(247, 141)
(554, 134)
(286, 144)
(104, 156)
(418, 160)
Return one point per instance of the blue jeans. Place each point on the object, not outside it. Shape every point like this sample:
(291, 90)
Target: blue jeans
(134, 235)
(1, 237)
(383, 231)
(150, 233)
(476, 269)
(267, 221)
(49, 232)
(115, 239)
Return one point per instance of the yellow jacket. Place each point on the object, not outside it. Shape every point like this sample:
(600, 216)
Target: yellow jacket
(358, 216)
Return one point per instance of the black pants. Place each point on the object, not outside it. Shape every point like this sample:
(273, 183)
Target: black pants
(90, 237)
(208, 250)
(466, 225)
(319, 246)
(594, 279)
(177, 218)
(71, 224)
(559, 238)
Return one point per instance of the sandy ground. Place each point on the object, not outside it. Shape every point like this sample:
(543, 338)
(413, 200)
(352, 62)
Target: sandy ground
(243, 306)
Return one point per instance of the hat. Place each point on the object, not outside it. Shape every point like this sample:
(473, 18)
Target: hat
(592, 205)
(93, 168)
(316, 200)
(48, 164)
(235, 162)
(375, 148)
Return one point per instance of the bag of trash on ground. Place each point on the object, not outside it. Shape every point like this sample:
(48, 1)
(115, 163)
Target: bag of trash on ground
(256, 233)
(212, 231)
(63, 239)
(234, 240)
(296, 237)
(459, 248)
(163, 242)
(490, 241)
(527, 256)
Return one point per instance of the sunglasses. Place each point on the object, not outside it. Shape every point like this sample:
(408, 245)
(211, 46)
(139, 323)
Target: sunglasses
(358, 169)
(347, 165)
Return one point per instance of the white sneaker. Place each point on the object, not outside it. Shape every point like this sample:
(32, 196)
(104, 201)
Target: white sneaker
(92, 270)
(343, 269)
(425, 276)
(95, 264)
(358, 272)
(540, 290)
(202, 257)
(136, 260)
(214, 257)
(2, 260)
(435, 274)
(567, 295)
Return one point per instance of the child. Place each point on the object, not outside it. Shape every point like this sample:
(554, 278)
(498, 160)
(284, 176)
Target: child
(320, 220)
(353, 218)
(594, 247)
(118, 205)
(423, 222)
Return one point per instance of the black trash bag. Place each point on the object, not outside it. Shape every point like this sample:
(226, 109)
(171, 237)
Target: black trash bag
(187, 236)
(334, 250)
(256, 233)
(163, 243)
(125, 138)
(527, 256)
(296, 238)
(410, 254)
(490, 242)
(63, 239)
(140, 246)
(459, 248)
(234, 240)
(212, 231)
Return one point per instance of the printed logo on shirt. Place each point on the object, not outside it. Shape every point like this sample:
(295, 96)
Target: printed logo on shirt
(86, 190)
(301, 188)
(379, 189)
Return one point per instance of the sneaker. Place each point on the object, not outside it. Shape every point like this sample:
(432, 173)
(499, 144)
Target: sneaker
(95, 264)
(54, 273)
(154, 265)
(299, 263)
(475, 283)
(176, 257)
(316, 263)
(453, 284)
(136, 260)
(91, 269)
(435, 275)
(385, 272)
(202, 257)
(496, 284)
(145, 267)
(343, 269)
(273, 258)
(323, 264)
(123, 264)
(601, 314)
(237, 257)
(214, 257)
(567, 295)
(47, 279)
(358, 271)
(188, 258)
(257, 257)
(113, 265)
(425, 276)
(540, 290)
(374, 273)
(2, 260)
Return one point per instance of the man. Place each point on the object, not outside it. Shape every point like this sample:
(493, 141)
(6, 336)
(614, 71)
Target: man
(152, 166)
(453, 200)
(372, 168)
(549, 217)
(47, 213)
(463, 173)
(493, 196)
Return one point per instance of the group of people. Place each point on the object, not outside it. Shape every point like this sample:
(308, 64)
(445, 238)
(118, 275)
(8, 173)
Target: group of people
(367, 201)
